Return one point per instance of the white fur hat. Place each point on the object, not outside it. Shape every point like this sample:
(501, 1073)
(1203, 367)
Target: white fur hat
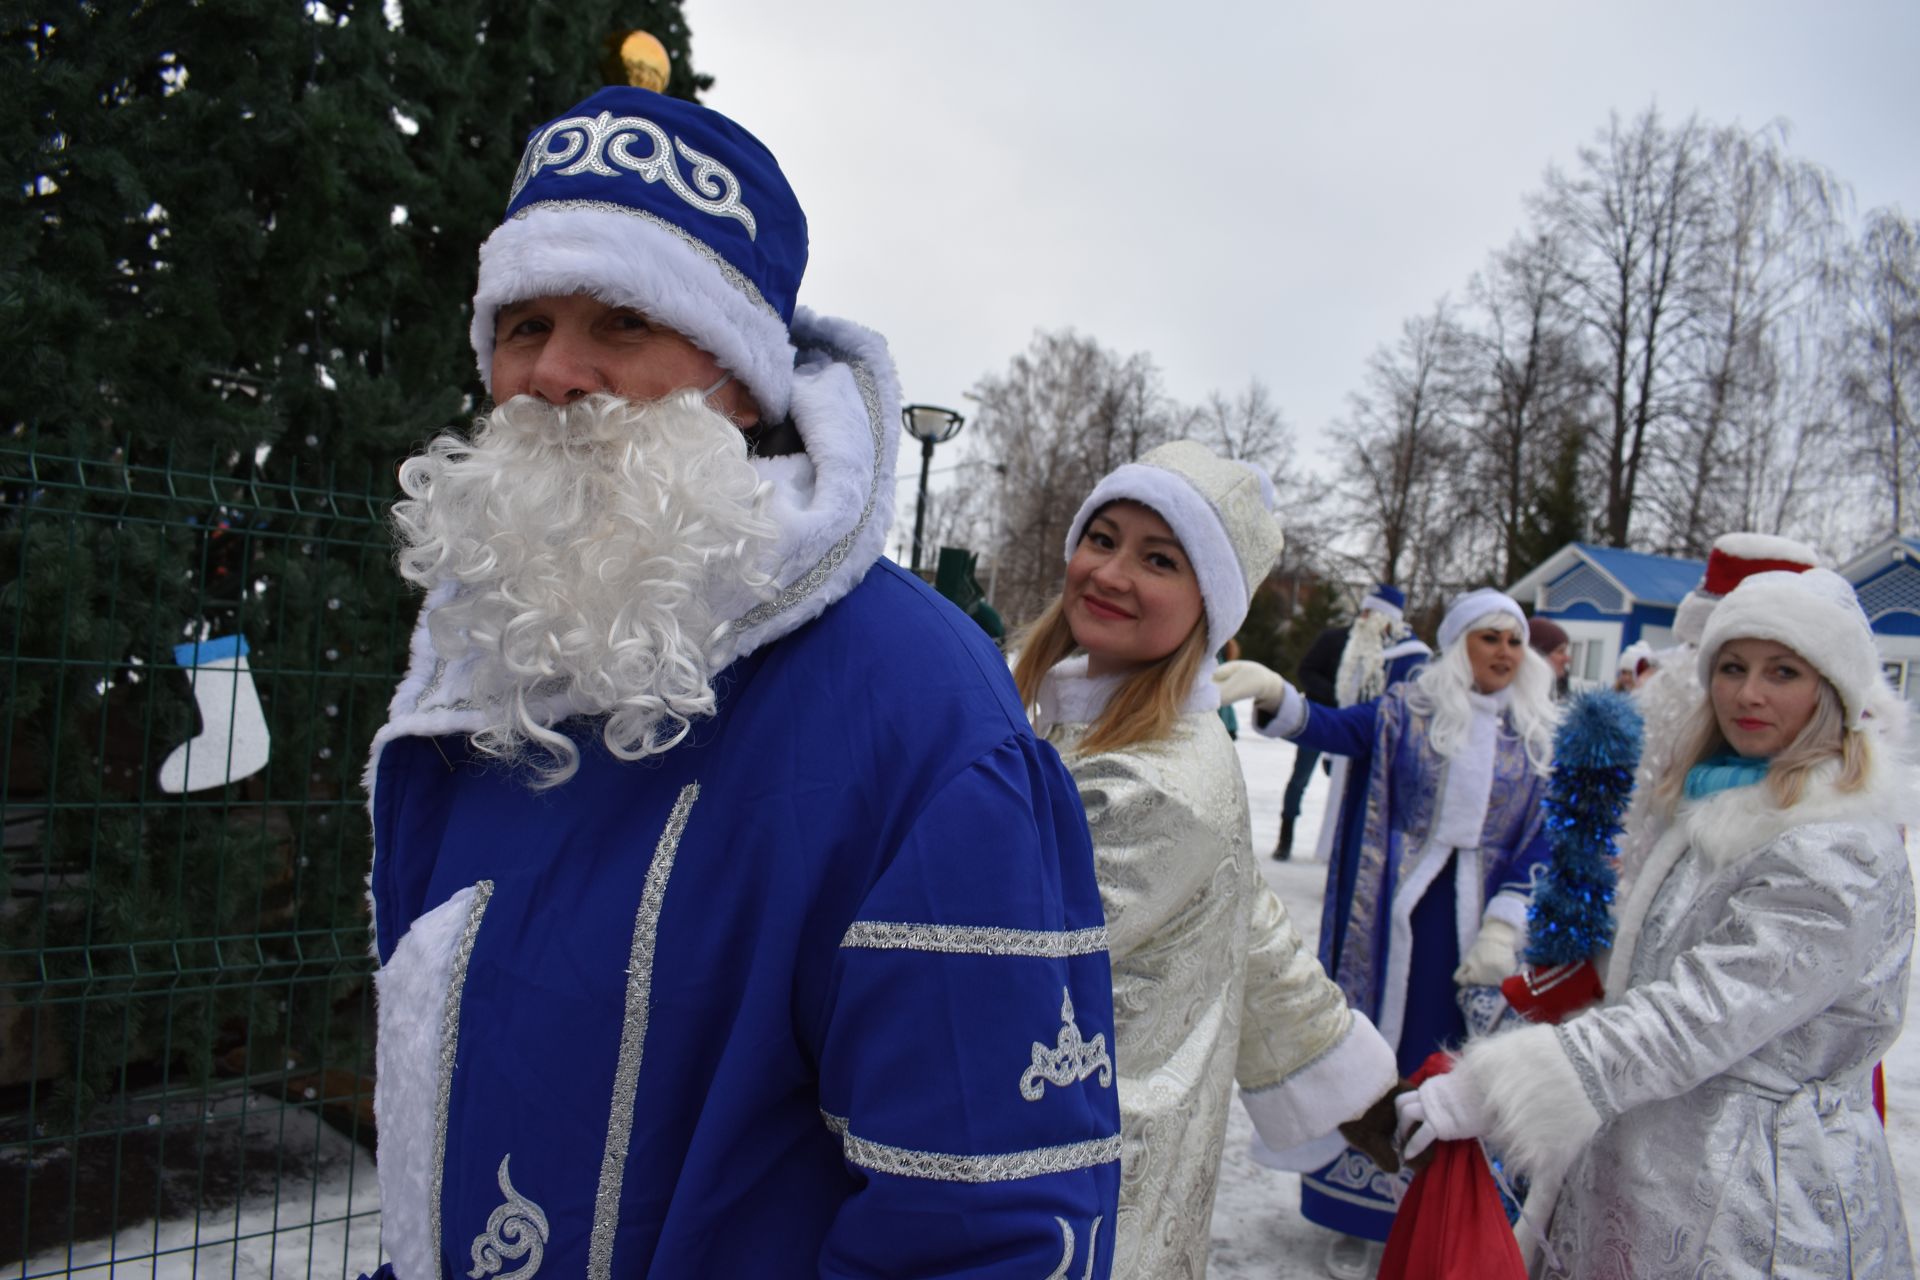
(1474, 605)
(1222, 512)
(1815, 614)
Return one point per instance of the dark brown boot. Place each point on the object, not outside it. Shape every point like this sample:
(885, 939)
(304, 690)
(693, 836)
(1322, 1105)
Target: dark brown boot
(1284, 850)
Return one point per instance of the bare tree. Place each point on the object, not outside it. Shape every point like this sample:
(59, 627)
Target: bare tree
(1533, 390)
(1066, 412)
(1402, 442)
(1882, 368)
(1737, 450)
(1248, 426)
(1636, 219)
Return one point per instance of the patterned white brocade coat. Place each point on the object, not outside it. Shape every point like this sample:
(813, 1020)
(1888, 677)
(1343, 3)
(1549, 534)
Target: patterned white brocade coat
(1211, 982)
(1759, 972)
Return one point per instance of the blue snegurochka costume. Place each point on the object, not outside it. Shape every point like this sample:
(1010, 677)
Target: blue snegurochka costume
(821, 990)
(1408, 906)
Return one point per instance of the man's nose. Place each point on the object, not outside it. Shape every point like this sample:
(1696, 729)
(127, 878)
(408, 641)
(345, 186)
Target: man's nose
(566, 369)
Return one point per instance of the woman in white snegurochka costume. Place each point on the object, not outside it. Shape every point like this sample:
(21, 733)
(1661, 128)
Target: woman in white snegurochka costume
(1716, 1109)
(1434, 872)
(1211, 981)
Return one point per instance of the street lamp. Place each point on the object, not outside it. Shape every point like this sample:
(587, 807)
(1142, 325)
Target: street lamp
(930, 425)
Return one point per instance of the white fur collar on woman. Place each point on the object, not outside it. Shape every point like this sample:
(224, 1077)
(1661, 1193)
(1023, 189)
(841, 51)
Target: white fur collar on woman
(1068, 695)
(1729, 826)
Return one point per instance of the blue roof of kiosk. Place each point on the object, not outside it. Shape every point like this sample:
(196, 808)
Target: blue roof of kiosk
(1648, 579)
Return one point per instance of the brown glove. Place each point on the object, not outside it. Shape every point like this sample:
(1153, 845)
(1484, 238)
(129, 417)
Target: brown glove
(1372, 1132)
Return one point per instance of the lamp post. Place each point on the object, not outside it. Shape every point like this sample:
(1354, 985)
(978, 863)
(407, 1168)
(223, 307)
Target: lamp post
(930, 425)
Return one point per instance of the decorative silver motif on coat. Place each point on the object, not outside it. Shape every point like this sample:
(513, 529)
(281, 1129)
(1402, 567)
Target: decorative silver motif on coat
(941, 1166)
(597, 144)
(1070, 1061)
(974, 940)
(517, 1229)
(449, 1053)
(633, 1035)
(1066, 1256)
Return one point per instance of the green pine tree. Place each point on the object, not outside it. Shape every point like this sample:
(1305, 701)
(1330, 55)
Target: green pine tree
(234, 289)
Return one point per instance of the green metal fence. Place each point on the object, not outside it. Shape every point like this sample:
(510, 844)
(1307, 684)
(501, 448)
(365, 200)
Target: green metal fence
(196, 659)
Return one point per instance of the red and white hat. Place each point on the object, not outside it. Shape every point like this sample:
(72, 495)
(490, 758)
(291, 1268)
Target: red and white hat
(1735, 557)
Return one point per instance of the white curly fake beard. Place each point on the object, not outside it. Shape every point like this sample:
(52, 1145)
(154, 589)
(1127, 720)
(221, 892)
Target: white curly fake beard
(602, 551)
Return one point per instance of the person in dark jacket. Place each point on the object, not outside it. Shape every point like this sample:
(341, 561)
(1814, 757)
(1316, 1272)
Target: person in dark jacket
(1316, 671)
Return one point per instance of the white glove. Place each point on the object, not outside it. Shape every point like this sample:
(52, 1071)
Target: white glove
(1243, 679)
(1446, 1107)
(1493, 958)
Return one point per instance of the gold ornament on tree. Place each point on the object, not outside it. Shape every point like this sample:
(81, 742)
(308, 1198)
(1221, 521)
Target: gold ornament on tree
(635, 58)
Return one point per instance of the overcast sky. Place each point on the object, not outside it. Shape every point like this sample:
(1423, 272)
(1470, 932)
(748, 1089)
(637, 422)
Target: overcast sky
(1246, 190)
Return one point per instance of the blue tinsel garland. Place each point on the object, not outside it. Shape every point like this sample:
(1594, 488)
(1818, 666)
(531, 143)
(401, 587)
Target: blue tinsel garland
(1595, 752)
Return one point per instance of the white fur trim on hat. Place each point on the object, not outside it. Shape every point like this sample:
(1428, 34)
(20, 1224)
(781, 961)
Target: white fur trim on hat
(1815, 614)
(1473, 606)
(1690, 619)
(1765, 546)
(1220, 510)
(627, 259)
(1374, 604)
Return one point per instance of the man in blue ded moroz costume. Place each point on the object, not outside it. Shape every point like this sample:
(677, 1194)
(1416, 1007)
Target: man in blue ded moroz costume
(697, 958)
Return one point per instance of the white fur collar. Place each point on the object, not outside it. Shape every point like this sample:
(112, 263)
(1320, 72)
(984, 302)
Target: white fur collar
(1068, 695)
(833, 504)
(1732, 825)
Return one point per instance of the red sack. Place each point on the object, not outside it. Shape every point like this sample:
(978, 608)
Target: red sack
(1451, 1225)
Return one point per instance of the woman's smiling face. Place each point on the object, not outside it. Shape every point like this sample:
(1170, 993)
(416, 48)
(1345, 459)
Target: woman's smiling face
(1763, 694)
(1132, 596)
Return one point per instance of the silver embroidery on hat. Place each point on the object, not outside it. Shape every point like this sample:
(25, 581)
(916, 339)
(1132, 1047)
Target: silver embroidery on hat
(1070, 1061)
(517, 1229)
(597, 144)
(1066, 1256)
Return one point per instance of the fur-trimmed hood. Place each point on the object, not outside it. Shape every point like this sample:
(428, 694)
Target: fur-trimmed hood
(1730, 826)
(833, 505)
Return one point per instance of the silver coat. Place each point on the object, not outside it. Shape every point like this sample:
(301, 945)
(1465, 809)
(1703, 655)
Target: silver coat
(1759, 974)
(1210, 978)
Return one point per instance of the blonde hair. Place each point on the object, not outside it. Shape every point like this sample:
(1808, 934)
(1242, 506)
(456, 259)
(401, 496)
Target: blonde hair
(1440, 691)
(1824, 737)
(1145, 706)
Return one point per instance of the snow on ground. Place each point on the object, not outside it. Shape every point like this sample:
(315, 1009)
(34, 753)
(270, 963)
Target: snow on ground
(323, 1221)
(1258, 1233)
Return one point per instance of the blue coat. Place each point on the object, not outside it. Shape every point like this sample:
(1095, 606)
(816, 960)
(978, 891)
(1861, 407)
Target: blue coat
(764, 1005)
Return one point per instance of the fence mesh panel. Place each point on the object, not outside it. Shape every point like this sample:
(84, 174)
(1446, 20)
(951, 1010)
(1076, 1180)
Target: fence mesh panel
(196, 660)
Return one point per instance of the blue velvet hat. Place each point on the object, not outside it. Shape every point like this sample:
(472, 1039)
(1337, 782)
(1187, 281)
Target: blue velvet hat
(663, 205)
(1386, 598)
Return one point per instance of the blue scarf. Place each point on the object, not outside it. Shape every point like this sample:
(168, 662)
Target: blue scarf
(1724, 772)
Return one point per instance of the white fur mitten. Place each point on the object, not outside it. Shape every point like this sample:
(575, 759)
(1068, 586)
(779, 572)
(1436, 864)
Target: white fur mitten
(1244, 679)
(1493, 958)
(1446, 1108)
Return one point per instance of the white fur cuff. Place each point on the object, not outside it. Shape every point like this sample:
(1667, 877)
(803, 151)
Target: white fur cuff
(1334, 1088)
(1291, 718)
(1512, 908)
(1541, 1113)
